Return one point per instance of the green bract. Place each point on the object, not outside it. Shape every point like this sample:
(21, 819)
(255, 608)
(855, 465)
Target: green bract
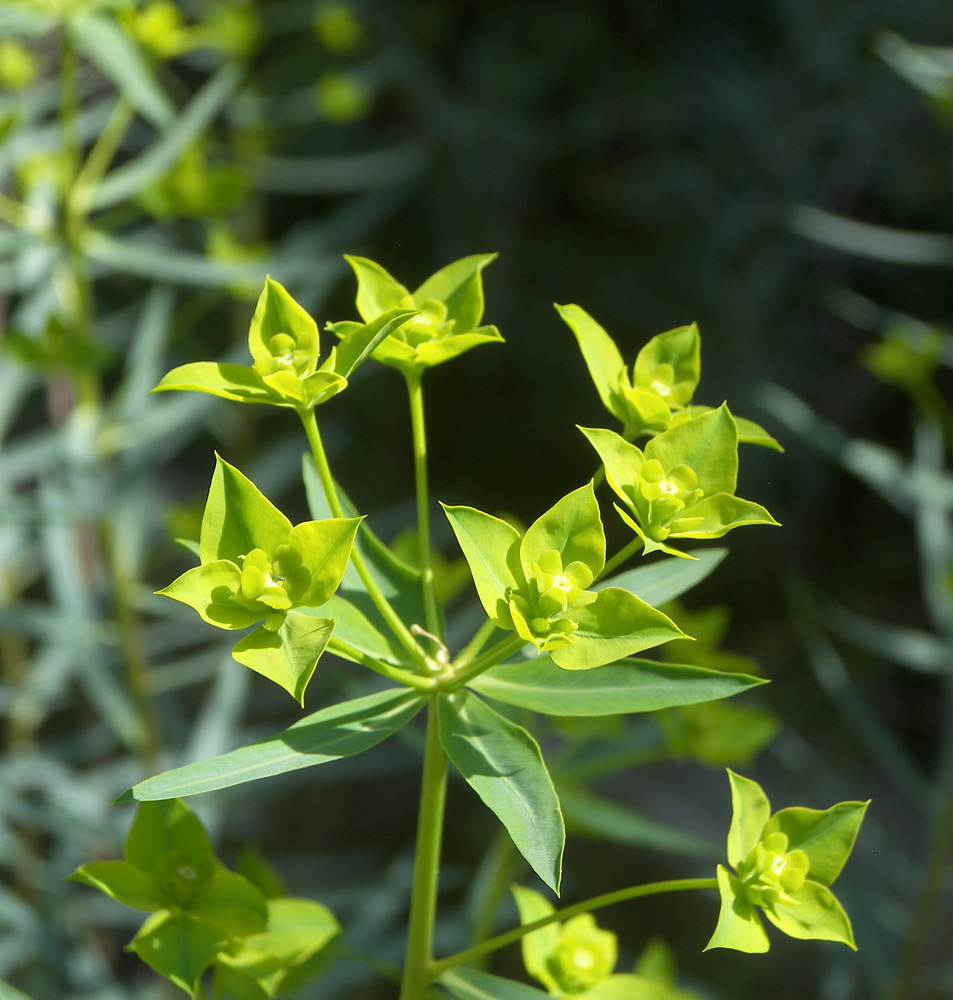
(683, 484)
(257, 567)
(664, 377)
(202, 913)
(783, 865)
(448, 308)
(283, 340)
(537, 584)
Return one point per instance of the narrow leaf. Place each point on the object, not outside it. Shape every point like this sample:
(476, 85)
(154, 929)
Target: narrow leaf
(502, 763)
(666, 579)
(630, 685)
(338, 731)
(470, 984)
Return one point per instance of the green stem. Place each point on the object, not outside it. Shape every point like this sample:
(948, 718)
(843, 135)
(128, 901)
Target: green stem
(480, 638)
(418, 425)
(620, 557)
(620, 895)
(423, 899)
(387, 612)
(392, 673)
(495, 654)
(100, 157)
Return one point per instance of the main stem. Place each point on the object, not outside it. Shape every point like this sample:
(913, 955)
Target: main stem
(387, 612)
(423, 899)
(586, 906)
(416, 396)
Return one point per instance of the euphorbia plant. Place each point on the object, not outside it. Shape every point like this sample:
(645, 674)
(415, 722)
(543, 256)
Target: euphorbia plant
(560, 638)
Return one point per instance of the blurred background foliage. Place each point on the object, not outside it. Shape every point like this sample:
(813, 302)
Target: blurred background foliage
(779, 173)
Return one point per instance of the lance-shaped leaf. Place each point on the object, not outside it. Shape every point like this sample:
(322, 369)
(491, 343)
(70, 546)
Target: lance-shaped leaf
(573, 527)
(178, 946)
(629, 685)
(472, 984)
(332, 733)
(666, 579)
(238, 518)
(614, 626)
(289, 655)
(502, 763)
(492, 550)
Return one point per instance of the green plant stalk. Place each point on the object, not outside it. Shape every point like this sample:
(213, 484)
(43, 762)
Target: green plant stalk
(586, 906)
(620, 557)
(405, 677)
(480, 638)
(418, 425)
(394, 622)
(100, 158)
(495, 654)
(423, 898)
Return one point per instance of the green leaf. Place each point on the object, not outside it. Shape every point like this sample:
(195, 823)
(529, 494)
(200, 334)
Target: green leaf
(178, 946)
(359, 343)
(601, 355)
(739, 926)
(751, 433)
(122, 881)
(208, 590)
(277, 312)
(573, 527)
(626, 986)
(8, 992)
(492, 550)
(435, 352)
(289, 655)
(538, 946)
(817, 916)
(502, 763)
(337, 731)
(352, 627)
(664, 580)
(608, 820)
(232, 904)
(165, 833)
(325, 547)
(238, 517)
(630, 685)
(827, 837)
(615, 625)
(679, 349)
(713, 516)
(236, 382)
(377, 291)
(750, 810)
(622, 460)
(460, 287)
(103, 41)
(708, 444)
(470, 984)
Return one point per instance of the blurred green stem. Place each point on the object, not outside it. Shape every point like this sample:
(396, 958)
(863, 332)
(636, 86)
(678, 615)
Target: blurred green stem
(620, 557)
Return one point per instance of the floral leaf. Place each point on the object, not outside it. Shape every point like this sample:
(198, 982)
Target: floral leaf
(208, 590)
(573, 527)
(491, 547)
(502, 763)
(232, 904)
(614, 626)
(678, 350)
(289, 655)
(817, 916)
(122, 881)
(827, 837)
(359, 342)
(167, 832)
(713, 516)
(238, 517)
(750, 810)
(228, 381)
(539, 945)
(178, 946)
(275, 313)
(325, 547)
(471, 984)
(377, 291)
(460, 287)
(708, 444)
(434, 352)
(739, 926)
(601, 355)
